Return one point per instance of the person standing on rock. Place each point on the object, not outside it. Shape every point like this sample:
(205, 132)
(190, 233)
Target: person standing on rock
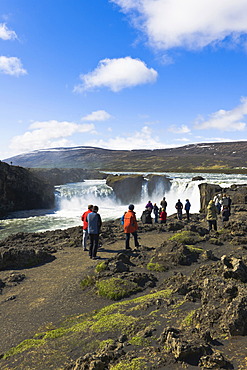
(163, 216)
(212, 215)
(163, 204)
(226, 202)
(179, 208)
(130, 226)
(156, 213)
(187, 208)
(225, 214)
(85, 226)
(94, 225)
(150, 205)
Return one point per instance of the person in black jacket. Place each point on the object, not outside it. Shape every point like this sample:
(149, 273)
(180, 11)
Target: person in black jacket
(179, 208)
(94, 225)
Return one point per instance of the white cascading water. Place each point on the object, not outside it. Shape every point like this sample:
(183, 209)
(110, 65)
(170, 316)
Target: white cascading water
(73, 199)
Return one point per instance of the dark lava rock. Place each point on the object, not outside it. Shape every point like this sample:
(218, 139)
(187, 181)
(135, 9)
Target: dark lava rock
(234, 268)
(127, 188)
(15, 258)
(21, 190)
(183, 350)
(175, 226)
(214, 361)
(234, 319)
(198, 178)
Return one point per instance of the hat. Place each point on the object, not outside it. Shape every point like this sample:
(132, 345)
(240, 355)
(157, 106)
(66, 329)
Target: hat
(131, 207)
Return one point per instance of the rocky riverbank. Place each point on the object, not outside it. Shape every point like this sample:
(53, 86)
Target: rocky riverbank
(178, 301)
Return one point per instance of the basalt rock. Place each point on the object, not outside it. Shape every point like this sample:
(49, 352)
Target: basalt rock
(237, 193)
(214, 361)
(17, 258)
(234, 268)
(21, 190)
(127, 188)
(198, 178)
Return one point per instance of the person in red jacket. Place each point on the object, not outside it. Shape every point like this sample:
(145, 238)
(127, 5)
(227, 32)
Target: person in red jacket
(85, 226)
(130, 226)
(163, 216)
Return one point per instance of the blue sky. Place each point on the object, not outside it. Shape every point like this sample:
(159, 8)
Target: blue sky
(121, 74)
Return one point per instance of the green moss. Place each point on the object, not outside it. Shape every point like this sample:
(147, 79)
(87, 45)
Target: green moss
(88, 281)
(140, 341)
(138, 363)
(23, 346)
(194, 249)
(56, 333)
(105, 343)
(151, 266)
(110, 318)
(215, 241)
(186, 237)
(116, 288)
(187, 321)
(102, 266)
(114, 322)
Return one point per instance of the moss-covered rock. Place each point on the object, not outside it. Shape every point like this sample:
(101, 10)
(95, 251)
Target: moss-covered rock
(115, 288)
(186, 237)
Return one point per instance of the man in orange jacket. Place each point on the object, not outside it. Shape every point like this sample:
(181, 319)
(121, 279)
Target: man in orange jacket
(130, 226)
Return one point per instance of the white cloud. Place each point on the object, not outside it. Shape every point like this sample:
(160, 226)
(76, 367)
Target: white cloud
(5, 33)
(48, 134)
(232, 120)
(143, 139)
(117, 74)
(179, 130)
(188, 24)
(11, 66)
(99, 115)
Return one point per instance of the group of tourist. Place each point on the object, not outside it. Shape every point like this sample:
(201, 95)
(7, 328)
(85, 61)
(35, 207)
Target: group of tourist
(92, 220)
(221, 204)
(160, 214)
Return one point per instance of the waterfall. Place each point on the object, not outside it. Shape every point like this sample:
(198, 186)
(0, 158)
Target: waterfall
(144, 194)
(73, 199)
(183, 190)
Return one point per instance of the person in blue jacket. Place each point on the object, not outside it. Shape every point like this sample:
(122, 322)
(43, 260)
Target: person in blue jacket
(187, 208)
(94, 225)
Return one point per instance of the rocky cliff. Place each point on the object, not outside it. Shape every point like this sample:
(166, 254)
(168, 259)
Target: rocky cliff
(20, 190)
(131, 188)
(238, 194)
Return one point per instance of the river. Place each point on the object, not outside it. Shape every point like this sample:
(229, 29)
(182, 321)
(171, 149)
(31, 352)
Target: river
(72, 200)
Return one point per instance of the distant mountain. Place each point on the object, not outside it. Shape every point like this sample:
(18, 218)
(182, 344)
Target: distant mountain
(218, 157)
